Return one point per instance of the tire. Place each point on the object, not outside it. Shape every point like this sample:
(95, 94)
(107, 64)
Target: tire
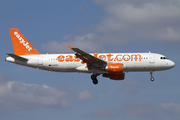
(152, 78)
(95, 81)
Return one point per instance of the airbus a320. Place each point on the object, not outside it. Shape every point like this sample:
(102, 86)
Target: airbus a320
(110, 65)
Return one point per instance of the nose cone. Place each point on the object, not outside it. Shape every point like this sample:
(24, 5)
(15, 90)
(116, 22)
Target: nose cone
(171, 64)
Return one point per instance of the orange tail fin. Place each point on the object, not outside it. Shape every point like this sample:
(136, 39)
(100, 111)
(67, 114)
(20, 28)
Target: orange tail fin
(20, 44)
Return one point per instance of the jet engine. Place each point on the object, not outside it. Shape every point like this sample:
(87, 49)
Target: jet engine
(115, 71)
(114, 68)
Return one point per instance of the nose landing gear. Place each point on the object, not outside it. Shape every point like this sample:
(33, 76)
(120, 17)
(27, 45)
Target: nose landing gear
(94, 78)
(152, 78)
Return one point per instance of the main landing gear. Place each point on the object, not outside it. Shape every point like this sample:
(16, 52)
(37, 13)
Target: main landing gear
(94, 78)
(152, 78)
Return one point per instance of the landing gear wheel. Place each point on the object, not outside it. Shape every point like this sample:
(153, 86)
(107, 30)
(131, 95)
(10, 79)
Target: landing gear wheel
(94, 79)
(93, 76)
(152, 78)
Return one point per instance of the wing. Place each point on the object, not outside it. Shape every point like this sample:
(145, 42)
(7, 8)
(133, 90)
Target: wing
(89, 59)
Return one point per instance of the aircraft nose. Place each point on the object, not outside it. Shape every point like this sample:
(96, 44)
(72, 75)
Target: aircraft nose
(171, 64)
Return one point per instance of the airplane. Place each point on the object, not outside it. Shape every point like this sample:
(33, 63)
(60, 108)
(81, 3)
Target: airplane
(110, 65)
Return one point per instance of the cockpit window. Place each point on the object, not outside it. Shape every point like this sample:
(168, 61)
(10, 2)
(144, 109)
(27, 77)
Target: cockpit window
(163, 58)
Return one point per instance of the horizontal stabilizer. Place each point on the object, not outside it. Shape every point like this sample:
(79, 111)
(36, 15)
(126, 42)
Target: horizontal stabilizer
(17, 57)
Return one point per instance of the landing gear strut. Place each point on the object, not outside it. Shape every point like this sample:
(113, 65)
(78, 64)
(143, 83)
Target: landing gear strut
(152, 78)
(94, 78)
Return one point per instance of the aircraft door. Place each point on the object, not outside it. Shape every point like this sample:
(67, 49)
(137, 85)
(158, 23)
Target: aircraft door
(40, 60)
(151, 58)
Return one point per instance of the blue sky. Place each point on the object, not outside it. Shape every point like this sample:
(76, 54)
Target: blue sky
(93, 26)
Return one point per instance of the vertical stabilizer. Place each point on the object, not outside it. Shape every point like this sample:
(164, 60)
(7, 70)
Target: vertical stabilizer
(20, 44)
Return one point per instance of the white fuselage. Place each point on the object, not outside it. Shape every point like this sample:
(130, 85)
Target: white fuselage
(69, 63)
(110, 65)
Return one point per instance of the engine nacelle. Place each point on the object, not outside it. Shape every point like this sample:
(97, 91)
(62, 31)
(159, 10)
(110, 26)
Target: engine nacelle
(115, 76)
(115, 71)
(114, 68)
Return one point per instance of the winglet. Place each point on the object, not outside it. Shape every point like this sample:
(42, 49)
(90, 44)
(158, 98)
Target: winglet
(70, 47)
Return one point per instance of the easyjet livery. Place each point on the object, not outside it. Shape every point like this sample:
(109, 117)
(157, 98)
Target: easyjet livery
(110, 65)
